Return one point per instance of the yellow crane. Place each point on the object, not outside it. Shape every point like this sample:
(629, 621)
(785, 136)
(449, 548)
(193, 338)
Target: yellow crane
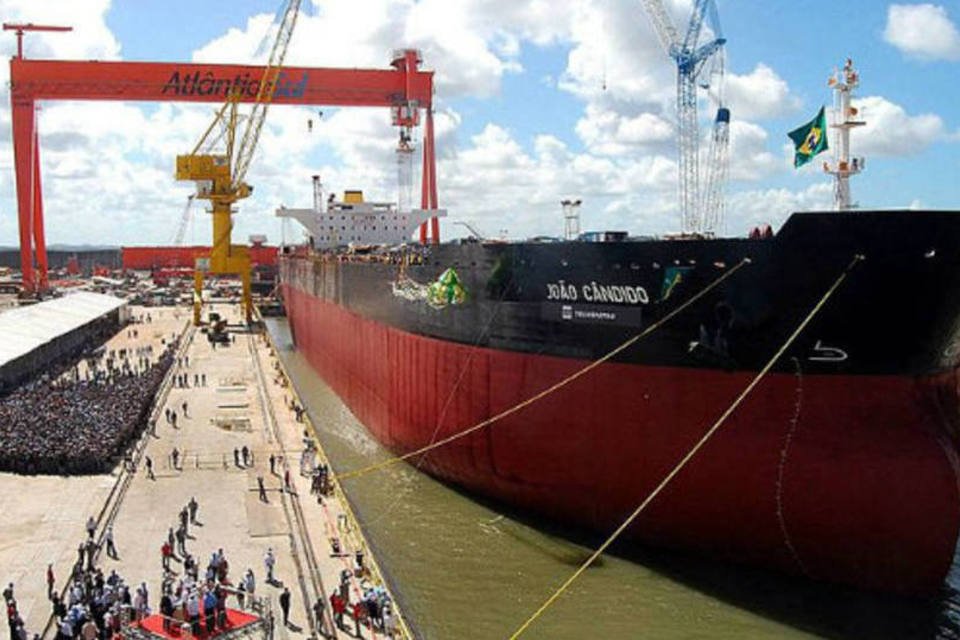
(220, 176)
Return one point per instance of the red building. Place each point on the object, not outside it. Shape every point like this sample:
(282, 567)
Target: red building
(151, 258)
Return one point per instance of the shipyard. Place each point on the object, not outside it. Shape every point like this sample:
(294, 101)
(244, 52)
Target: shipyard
(268, 372)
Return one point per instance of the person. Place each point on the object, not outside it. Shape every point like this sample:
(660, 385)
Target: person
(91, 553)
(245, 453)
(66, 628)
(193, 613)
(210, 610)
(263, 491)
(269, 560)
(175, 457)
(389, 621)
(240, 592)
(374, 613)
(273, 462)
(286, 481)
(358, 611)
(359, 558)
(111, 547)
(318, 613)
(285, 606)
(166, 609)
(166, 550)
(91, 527)
(221, 597)
(50, 580)
(184, 407)
(181, 541)
(339, 607)
(250, 585)
(192, 506)
(149, 464)
(236, 457)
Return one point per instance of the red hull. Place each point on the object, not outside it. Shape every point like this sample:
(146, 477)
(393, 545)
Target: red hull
(845, 479)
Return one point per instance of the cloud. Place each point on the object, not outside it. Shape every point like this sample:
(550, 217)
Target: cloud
(607, 132)
(891, 131)
(774, 206)
(749, 157)
(90, 38)
(111, 164)
(923, 31)
(759, 94)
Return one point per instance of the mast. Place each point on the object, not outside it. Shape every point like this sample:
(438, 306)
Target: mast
(844, 119)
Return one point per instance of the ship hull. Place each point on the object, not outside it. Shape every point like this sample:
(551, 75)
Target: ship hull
(846, 478)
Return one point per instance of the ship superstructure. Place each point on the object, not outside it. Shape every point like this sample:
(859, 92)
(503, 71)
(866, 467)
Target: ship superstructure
(355, 221)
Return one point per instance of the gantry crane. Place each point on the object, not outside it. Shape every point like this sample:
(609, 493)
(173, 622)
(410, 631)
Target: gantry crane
(220, 176)
(403, 87)
(690, 57)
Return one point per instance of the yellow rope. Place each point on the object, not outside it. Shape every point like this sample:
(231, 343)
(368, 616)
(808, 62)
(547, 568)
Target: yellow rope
(716, 425)
(562, 383)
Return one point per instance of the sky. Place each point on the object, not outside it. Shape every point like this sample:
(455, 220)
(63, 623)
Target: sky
(535, 101)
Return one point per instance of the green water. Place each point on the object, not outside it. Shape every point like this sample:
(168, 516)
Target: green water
(465, 569)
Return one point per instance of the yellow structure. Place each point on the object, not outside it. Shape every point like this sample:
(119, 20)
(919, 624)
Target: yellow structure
(220, 176)
(212, 173)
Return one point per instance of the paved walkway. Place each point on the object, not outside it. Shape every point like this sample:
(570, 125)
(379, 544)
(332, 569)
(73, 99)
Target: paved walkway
(232, 411)
(45, 515)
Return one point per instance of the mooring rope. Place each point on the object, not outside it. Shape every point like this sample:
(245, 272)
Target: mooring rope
(693, 451)
(551, 389)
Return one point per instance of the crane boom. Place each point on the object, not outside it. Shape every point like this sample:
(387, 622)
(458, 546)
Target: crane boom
(220, 176)
(690, 57)
(268, 88)
(184, 221)
(662, 25)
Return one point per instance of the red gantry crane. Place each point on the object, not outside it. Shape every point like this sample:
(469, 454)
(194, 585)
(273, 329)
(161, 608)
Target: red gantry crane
(403, 88)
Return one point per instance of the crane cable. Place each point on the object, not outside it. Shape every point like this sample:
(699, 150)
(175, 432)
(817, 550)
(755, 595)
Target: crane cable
(551, 389)
(693, 451)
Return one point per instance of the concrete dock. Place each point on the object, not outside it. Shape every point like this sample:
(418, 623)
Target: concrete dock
(246, 402)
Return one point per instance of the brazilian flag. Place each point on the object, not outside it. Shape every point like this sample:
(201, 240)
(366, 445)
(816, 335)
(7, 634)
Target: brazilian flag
(809, 140)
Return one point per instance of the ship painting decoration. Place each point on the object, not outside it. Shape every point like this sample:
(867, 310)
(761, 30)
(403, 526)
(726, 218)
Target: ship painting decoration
(841, 465)
(443, 291)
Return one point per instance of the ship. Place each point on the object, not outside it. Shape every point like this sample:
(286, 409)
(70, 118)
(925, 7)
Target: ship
(841, 465)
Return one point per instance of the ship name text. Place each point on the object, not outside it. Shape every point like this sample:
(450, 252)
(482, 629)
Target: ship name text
(593, 292)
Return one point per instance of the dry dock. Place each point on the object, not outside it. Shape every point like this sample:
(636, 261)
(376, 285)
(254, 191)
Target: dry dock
(246, 402)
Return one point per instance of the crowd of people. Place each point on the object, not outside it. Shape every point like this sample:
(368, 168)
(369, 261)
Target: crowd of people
(93, 606)
(67, 423)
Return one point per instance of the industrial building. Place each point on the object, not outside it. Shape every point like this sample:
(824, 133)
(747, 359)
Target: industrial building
(37, 335)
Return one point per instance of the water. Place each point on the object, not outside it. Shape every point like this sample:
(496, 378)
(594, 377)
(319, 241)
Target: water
(466, 569)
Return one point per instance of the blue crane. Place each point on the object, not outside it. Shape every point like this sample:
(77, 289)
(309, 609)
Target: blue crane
(690, 56)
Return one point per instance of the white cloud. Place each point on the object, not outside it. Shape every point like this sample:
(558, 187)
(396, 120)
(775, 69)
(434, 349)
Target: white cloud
(90, 38)
(747, 209)
(759, 94)
(749, 157)
(607, 132)
(110, 165)
(924, 31)
(891, 131)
